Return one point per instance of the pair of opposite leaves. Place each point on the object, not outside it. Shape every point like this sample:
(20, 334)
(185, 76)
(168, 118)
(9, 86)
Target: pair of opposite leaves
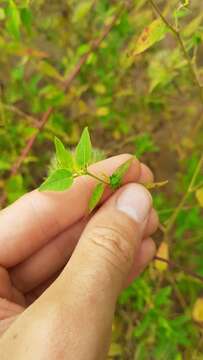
(71, 165)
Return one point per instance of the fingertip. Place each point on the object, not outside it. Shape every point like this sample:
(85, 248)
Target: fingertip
(113, 163)
(146, 253)
(134, 171)
(152, 224)
(146, 175)
(148, 250)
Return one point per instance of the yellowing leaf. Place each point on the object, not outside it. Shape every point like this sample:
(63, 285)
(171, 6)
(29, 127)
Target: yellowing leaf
(192, 26)
(188, 143)
(2, 41)
(35, 53)
(2, 14)
(155, 185)
(115, 350)
(47, 69)
(199, 196)
(100, 89)
(102, 111)
(155, 32)
(163, 252)
(197, 312)
(82, 10)
(82, 107)
(116, 135)
(2, 184)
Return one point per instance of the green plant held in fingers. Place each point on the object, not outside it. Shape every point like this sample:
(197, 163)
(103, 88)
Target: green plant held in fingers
(71, 165)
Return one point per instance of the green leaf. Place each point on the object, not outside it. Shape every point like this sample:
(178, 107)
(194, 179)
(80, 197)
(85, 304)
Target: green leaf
(117, 177)
(83, 152)
(64, 157)
(52, 94)
(144, 143)
(96, 196)
(15, 188)
(4, 164)
(152, 34)
(60, 180)
(82, 10)
(2, 14)
(162, 296)
(83, 49)
(181, 12)
(13, 20)
(192, 26)
(47, 69)
(26, 17)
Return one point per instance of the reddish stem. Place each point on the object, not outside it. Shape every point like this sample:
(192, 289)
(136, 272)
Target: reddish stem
(45, 117)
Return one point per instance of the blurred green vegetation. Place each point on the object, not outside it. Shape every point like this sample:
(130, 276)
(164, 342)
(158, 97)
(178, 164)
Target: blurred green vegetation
(146, 103)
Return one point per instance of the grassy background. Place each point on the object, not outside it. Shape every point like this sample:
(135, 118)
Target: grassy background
(148, 104)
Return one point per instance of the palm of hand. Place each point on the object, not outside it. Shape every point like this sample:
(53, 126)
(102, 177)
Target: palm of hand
(24, 282)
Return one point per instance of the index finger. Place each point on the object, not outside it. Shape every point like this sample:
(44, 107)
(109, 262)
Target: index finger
(37, 217)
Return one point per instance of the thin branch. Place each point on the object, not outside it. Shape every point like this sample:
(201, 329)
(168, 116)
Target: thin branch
(163, 18)
(196, 173)
(197, 187)
(177, 34)
(177, 291)
(173, 265)
(184, 199)
(197, 124)
(97, 178)
(71, 77)
(34, 121)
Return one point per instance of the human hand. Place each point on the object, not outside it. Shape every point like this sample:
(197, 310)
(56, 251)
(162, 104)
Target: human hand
(70, 312)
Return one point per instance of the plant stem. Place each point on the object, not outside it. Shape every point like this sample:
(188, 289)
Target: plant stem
(182, 46)
(197, 187)
(97, 178)
(34, 121)
(172, 264)
(176, 213)
(197, 170)
(170, 210)
(177, 291)
(183, 200)
(94, 46)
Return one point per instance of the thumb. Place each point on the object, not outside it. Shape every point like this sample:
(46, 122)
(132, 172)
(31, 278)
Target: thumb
(104, 255)
(99, 266)
(73, 318)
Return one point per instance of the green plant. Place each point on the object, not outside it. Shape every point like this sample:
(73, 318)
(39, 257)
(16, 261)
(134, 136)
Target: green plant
(132, 72)
(70, 165)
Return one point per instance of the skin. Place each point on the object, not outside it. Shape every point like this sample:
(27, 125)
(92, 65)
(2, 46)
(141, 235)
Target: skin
(58, 282)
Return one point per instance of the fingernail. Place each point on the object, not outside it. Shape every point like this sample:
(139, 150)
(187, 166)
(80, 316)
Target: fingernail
(136, 202)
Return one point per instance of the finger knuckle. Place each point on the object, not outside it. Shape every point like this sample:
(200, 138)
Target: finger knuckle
(114, 245)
